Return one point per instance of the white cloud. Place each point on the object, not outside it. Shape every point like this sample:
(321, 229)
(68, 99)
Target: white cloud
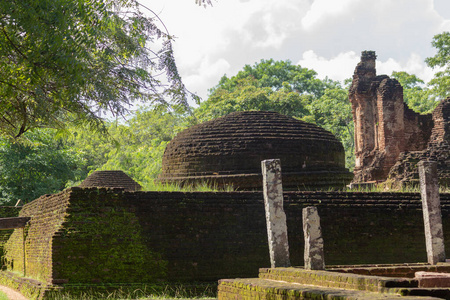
(321, 10)
(324, 35)
(443, 7)
(209, 72)
(343, 65)
(414, 65)
(339, 67)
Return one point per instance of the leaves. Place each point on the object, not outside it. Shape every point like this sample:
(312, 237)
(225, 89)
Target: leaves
(288, 89)
(416, 95)
(440, 84)
(39, 166)
(78, 58)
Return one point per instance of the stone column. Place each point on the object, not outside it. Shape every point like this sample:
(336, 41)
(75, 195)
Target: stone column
(314, 259)
(431, 206)
(275, 216)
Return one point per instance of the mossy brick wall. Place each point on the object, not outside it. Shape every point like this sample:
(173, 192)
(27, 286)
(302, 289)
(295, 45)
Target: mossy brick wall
(105, 235)
(82, 236)
(7, 212)
(222, 235)
(47, 215)
(101, 242)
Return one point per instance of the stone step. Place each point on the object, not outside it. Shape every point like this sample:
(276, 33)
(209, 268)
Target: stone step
(331, 279)
(258, 288)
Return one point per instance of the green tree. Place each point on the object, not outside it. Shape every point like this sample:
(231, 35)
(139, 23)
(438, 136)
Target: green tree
(333, 112)
(64, 60)
(45, 162)
(276, 75)
(41, 165)
(248, 95)
(440, 84)
(288, 89)
(141, 143)
(415, 93)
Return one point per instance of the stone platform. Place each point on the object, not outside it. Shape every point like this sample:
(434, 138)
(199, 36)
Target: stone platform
(344, 282)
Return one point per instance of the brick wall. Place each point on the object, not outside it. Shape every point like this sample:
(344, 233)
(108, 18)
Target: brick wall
(106, 235)
(228, 151)
(7, 212)
(47, 215)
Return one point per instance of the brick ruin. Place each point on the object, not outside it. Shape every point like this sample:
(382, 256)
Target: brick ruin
(390, 138)
(111, 179)
(93, 236)
(229, 151)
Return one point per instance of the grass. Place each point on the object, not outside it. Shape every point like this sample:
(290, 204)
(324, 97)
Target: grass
(172, 187)
(207, 187)
(385, 187)
(3, 296)
(176, 291)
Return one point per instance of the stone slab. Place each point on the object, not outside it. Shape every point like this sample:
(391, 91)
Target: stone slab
(313, 254)
(432, 216)
(336, 279)
(433, 279)
(277, 232)
(257, 288)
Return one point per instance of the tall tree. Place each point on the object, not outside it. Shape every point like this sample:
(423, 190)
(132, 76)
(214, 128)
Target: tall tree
(415, 93)
(64, 59)
(141, 143)
(247, 94)
(41, 165)
(276, 74)
(333, 112)
(288, 89)
(440, 84)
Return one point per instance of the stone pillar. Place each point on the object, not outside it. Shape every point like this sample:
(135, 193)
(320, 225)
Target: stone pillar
(431, 206)
(314, 259)
(275, 216)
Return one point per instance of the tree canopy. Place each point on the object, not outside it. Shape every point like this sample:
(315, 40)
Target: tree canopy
(288, 89)
(247, 94)
(42, 165)
(440, 84)
(63, 60)
(277, 75)
(41, 86)
(416, 94)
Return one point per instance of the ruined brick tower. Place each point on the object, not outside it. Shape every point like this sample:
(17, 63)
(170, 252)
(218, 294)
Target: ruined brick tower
(384, 125)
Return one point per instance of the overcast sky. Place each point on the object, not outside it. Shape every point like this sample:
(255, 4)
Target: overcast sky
(325, 35)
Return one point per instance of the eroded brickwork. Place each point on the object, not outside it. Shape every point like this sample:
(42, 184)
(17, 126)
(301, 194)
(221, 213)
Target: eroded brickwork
(229, 151)
(405, 170)
(112, 179)
(384, 126)
(93, 236)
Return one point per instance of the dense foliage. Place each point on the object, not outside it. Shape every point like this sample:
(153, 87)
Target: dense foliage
(42, 165)
(440, 84)
(418, 96)
(44, 161)
(65, 61)
(47, 162)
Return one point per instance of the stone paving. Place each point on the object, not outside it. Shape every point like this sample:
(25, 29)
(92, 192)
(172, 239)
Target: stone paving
(298, 283)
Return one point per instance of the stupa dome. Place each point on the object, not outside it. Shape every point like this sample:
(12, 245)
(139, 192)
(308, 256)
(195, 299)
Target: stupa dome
(111, 179)
(229, 151)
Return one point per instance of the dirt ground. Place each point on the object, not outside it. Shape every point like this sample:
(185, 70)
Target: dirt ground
(12, 294)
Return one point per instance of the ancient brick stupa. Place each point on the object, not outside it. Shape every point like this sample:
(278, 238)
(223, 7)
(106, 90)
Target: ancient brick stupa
(111, 179)
(229, 151)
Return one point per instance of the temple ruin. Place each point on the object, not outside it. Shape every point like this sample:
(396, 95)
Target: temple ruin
(111, 179)
(228, 151)
(390, 138)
